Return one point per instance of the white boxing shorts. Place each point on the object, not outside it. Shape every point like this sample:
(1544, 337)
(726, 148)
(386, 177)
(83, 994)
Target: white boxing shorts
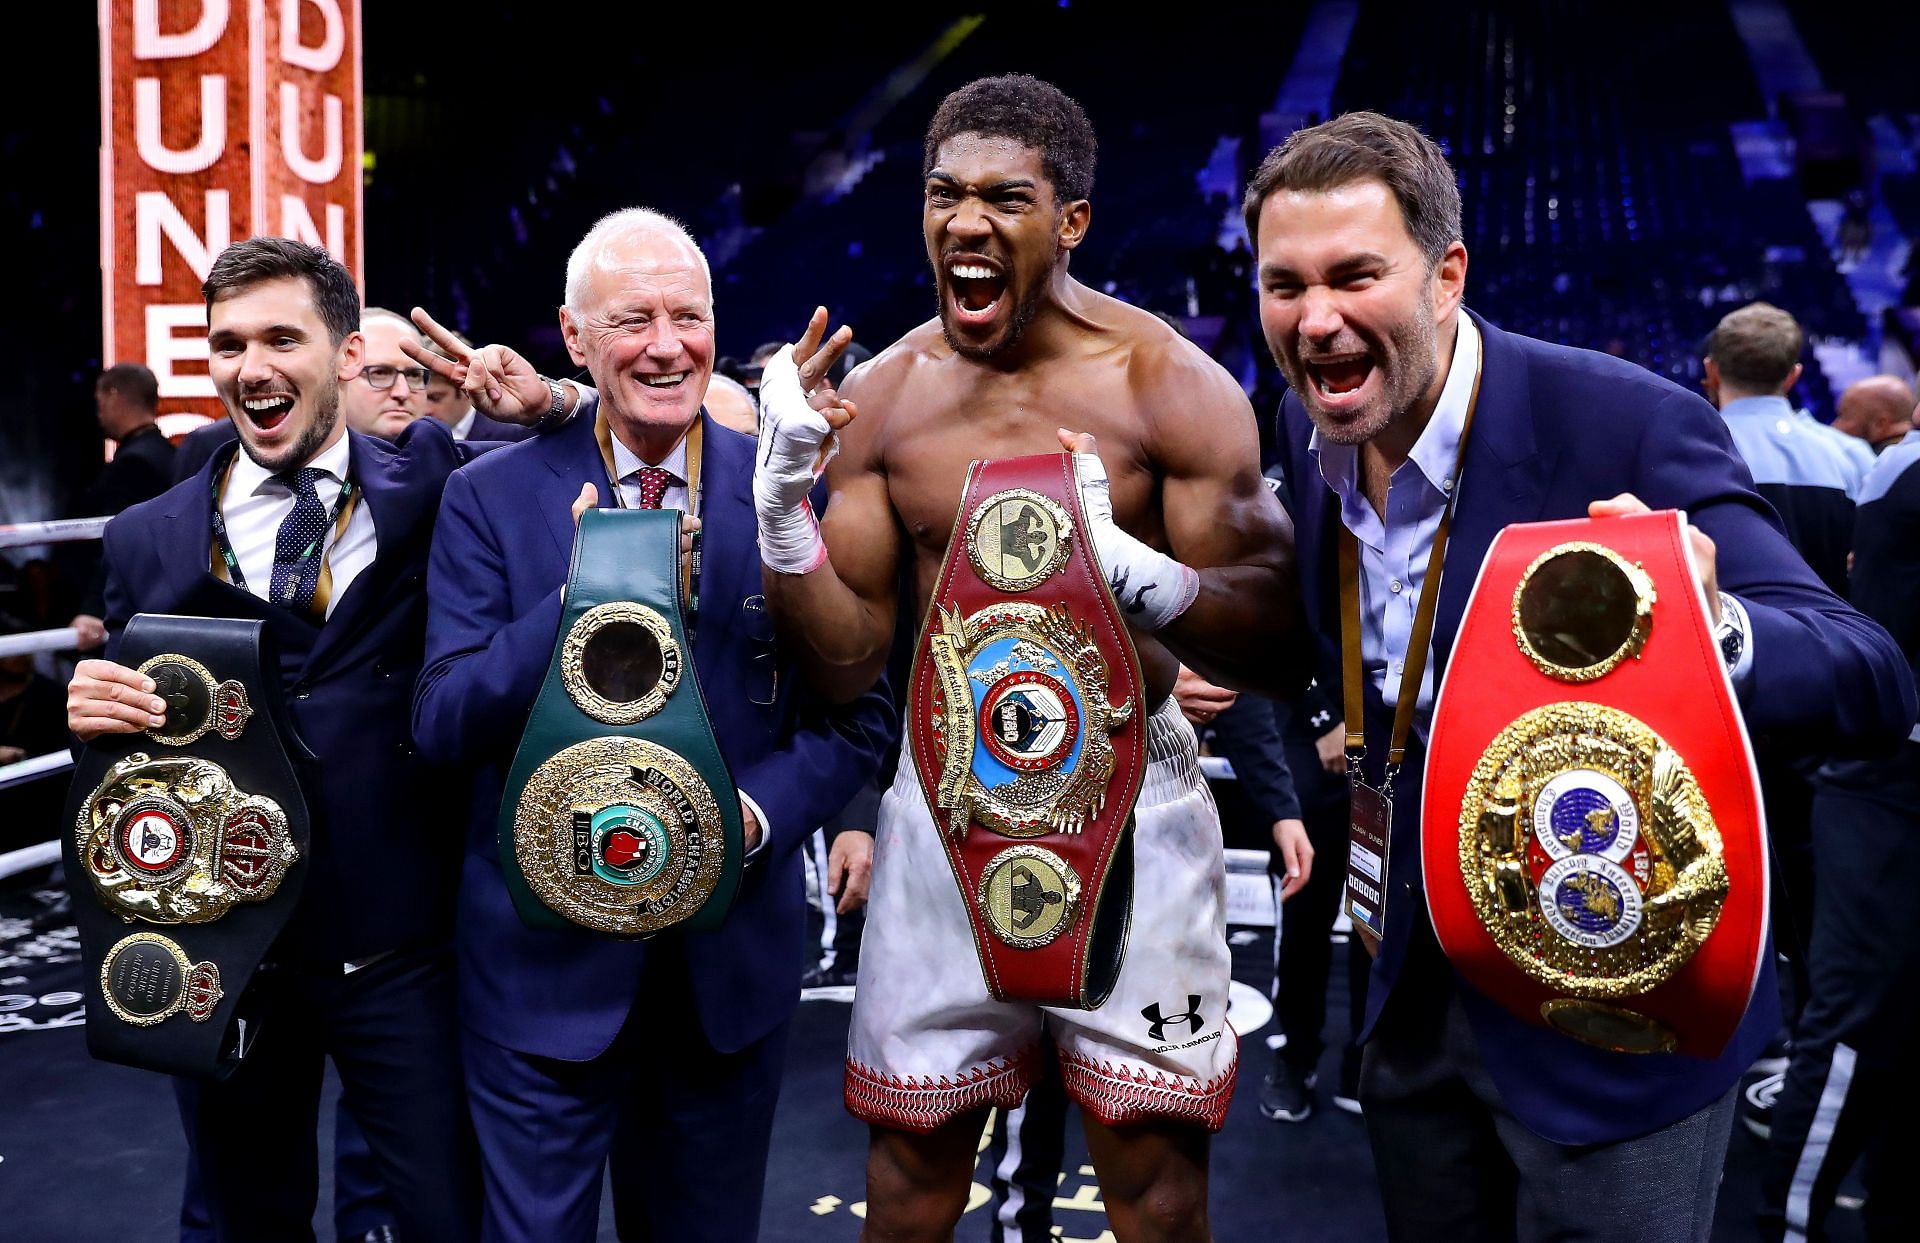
(930, 1043)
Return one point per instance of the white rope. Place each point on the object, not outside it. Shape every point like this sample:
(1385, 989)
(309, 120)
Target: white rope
(28, 858)
(34, 641)
(59, 531)
(35, 768)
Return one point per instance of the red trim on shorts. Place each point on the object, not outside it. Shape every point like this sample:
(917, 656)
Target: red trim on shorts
(915, 1104)
(1118, 1095)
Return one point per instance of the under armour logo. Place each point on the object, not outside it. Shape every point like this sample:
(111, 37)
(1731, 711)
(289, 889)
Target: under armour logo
(1118, 582)
(1158, 1022)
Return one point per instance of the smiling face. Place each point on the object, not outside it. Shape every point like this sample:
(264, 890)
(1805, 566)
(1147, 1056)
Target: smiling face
(384, 412)
(995, 234)
(644, 328)
(1350, 308)
(277, 371)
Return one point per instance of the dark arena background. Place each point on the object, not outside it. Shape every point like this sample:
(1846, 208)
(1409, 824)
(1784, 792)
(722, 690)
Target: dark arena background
(1630, 171)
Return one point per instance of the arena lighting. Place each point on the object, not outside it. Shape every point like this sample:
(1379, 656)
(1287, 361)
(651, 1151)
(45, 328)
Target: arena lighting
(219, 120)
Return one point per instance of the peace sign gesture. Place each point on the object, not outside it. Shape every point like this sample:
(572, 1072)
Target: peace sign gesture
(501, 384)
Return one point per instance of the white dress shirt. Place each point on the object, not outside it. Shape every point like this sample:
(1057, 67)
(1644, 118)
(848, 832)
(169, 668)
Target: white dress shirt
(1394, 550)
(464, 428)
(254, 503)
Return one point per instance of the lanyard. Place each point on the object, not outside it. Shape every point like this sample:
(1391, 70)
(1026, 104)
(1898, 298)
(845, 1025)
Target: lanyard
(690, 571)
(336, 523)
(1416, 660)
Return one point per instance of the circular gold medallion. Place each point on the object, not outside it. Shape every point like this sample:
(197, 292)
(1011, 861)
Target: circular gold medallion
(1608, 1027)
(1581, 609)
(1029, 895)
(619, 835)
(147, 978)
(1017, 539)
(620, 663)
(188, 688)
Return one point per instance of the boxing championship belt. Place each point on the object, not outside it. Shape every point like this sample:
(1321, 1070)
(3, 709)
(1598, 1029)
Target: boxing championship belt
(183, 847)
(619, 813)
(1592, 835)
(1024, 719)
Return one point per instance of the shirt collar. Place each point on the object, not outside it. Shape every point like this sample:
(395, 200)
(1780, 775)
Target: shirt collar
(1770, 407)
(464, 428)
(626, 461)
(250, 478)
(1438, 447)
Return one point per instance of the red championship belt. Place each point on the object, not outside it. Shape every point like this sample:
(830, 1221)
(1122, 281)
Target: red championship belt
(1025, 723)
(1592, 835)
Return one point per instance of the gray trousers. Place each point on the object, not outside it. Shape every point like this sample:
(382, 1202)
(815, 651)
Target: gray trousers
(1453, 1164)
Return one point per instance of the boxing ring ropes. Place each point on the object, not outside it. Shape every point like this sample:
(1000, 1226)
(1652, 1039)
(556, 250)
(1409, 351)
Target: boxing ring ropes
(1250, 864)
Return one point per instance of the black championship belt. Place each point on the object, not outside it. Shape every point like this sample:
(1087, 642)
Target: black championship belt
(619, 813)
(1024, 719)
(183, 848)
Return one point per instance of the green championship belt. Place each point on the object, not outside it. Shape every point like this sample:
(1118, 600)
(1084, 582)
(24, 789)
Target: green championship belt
(619, 814)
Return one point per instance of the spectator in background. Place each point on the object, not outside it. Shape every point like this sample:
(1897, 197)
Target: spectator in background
(390, 390)
(1753, 359)
(731, 405)
(126, 400)
(751, 372)
(453, 406)
(1878, 410)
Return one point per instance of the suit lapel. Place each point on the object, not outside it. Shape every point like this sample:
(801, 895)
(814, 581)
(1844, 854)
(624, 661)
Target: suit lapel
(1503, 480)
(398, 513)
(573, 458)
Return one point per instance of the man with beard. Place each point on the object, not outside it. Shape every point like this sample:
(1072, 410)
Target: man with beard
(1023, 359)
(323, 535)
(1483, 1125)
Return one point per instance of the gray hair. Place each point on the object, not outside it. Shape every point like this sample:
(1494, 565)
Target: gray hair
(617, 226)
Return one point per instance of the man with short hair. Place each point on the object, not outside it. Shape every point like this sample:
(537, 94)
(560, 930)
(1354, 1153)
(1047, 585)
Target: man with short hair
(1878, 410)
(126, 400)
(1484, 1125)
(1022, 359)
(362, 974)
(389, 391)
(1753, 361)
(674, 1043)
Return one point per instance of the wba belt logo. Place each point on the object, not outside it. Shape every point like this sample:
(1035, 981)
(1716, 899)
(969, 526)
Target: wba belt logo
(1157, 1022)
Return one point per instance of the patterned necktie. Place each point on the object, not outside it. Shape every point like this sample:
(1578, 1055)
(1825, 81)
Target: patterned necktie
(297, 548)
(654, 481)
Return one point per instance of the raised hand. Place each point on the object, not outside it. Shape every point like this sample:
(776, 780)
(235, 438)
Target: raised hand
(501, 384)
(800, 417)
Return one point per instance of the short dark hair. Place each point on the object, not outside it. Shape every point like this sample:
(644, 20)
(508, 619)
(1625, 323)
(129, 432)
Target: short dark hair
(1756, 347)
(1031, 112)
(133, 382)
(1366, 146)
(246, 264)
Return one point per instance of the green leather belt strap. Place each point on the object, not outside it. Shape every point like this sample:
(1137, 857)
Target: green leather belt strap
(619, 814)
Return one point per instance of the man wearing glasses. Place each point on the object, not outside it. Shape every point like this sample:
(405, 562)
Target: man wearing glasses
(391, 389)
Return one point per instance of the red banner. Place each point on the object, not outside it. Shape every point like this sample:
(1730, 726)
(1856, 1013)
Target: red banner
(220, 120)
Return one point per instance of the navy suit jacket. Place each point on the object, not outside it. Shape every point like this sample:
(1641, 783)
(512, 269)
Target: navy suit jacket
(382, 875)
(500, 558)
(1555, 429)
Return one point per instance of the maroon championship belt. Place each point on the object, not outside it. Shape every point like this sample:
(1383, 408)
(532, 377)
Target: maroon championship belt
(1025, 723)
(1592, 835)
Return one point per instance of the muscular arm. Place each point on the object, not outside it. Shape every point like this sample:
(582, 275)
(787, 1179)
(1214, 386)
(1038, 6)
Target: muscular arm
(1243, 629)
(839, 618)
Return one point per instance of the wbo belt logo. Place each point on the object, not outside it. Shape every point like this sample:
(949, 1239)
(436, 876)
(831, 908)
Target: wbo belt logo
(1157, 1022)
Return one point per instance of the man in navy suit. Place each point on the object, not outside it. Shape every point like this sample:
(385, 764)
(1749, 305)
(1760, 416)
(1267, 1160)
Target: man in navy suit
(676, 1043)
(1483, 1126)
(363, 973)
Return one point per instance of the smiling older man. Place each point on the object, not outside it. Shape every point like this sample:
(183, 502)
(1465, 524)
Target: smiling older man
(676, 1043)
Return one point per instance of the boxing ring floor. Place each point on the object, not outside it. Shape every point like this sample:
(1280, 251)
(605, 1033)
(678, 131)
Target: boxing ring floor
(90, 1151)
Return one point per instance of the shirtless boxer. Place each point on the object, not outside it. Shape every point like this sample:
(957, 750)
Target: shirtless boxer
(1200, 559)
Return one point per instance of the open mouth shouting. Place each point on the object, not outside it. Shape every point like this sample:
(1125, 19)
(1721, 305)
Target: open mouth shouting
(976, 287)
(1340, 381)
(267, 410)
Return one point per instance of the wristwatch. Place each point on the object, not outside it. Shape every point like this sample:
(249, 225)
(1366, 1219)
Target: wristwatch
(557, 410)
(1731, 633)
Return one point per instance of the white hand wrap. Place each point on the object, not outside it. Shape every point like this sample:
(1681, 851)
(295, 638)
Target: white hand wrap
(1150, 587)
(796, 443)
